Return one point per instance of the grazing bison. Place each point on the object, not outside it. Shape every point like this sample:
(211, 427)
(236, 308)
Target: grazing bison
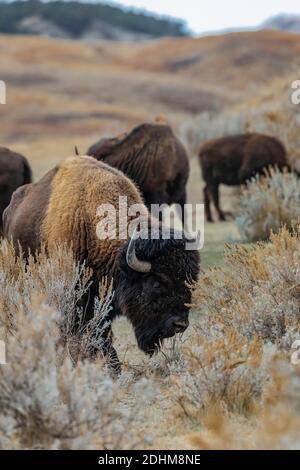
(152, 157)
(149, 275)
(14, 172)
(233, 160)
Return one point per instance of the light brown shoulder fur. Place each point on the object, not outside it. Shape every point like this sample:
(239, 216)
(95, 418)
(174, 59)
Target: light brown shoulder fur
(79, 187)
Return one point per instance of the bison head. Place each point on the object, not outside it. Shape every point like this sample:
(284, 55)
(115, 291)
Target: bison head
(151, 288)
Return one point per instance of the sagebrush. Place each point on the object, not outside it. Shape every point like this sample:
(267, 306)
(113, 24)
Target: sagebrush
(51, 397)
(227, 383)
(267, 204)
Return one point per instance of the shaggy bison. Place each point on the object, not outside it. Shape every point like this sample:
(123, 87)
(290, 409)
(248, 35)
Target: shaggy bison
(14, 172)
(233, 160)
(149, 275)
(152, 157)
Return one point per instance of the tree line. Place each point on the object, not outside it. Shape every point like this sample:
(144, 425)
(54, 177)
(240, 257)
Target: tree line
(75, 17)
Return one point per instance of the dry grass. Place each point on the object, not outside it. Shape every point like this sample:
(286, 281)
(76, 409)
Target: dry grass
(230, 374)
(102, 88)
(46, 401)
(255, 291)
(238, 361)
(267, 204)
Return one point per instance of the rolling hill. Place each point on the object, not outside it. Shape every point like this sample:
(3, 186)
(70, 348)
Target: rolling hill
(62, 93)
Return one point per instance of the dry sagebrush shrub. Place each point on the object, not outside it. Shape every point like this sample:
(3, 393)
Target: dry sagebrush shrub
(239, 387)
(57, 278)
(256, 291)
(276, 428)
(249, 309)
(46, 402)
(225, 370)
(275, 425)
(267, 204)
(215, 366)
(63, 283)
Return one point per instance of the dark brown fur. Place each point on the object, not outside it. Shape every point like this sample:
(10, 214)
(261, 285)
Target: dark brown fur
(14, 172)
(233, 160)
(152, 157)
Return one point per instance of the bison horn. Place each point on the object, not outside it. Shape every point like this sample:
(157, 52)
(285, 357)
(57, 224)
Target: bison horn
(133, 261)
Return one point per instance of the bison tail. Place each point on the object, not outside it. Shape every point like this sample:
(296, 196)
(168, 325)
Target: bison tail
(27, 173)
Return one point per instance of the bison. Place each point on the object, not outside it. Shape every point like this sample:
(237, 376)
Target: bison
(151, 156)
(149, 275)
(14, 172)
(233, 160)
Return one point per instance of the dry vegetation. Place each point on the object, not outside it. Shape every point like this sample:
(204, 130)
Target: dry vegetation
(228, 383)
(51, 395)
(250, 320)
(268, 204)
(231, 375)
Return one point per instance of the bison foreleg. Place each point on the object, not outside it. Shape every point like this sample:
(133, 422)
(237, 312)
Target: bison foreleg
(215, 196)
(207, 204)
(110, 355)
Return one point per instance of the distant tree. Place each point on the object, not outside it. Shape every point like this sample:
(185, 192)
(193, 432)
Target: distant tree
(75, 17)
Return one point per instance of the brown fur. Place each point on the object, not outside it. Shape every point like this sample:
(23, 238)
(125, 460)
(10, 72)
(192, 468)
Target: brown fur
(62, 208)
(14, 172)
(233, 160)
(85, 184)
(153, 158)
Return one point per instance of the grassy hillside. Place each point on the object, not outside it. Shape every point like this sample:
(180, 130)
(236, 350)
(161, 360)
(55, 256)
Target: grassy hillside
(75, 91)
